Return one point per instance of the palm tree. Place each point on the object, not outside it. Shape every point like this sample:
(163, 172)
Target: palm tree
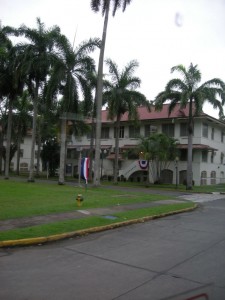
(122, 97)
(11, 82)
(186, 91)
(22, 121)
(104, 5)
(68, 75)
(39, 56)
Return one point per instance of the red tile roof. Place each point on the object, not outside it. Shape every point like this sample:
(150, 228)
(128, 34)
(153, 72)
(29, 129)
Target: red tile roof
(144, 114)
(196, 146)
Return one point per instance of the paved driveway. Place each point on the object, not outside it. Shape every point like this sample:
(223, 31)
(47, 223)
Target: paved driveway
(154, 260)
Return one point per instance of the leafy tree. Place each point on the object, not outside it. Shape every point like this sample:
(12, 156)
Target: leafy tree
(69, 74)
(159, 150)
(11, 82)
(121, 97)
(50, 155)
(104, 5)
(39, 56)
(12, 151)
(185, 91)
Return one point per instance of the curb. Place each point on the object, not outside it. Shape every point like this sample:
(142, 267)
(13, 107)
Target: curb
(83, 232)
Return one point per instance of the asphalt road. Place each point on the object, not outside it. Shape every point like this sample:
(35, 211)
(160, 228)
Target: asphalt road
(182, 254)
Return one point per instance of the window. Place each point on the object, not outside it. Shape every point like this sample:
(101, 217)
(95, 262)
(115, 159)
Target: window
(134, 132)
(89, 133)
(71, 153)
(132, 154)
(213, 177)
(105, 133)
(205, 130)
(168, 129)
(204, 156)
(21, 152)
(183, 155)
(212, 156)
(203, 178)
(221, 158)
(222, 136)
(183, 129)
(212, 134)
(121, 132)
(150, 129)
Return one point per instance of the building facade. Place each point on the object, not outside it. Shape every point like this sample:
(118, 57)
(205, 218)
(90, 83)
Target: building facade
(208, 147)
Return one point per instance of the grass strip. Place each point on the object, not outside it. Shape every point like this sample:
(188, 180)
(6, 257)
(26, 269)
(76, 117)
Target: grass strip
(22, 199)
(89, 222)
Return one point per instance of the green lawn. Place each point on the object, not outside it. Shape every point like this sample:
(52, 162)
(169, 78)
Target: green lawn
(172, 187)
(22, 199)
(89, 222)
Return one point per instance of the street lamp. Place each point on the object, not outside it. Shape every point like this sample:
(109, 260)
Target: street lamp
(176, 169)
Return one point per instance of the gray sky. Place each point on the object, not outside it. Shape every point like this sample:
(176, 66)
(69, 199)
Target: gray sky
(159, 34)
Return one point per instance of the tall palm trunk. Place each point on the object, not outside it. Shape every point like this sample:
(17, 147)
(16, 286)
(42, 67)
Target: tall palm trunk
(116, 164)
(38, 151)
(99, 102)
(34, 129)
(62, 152)
(91, 149)
(8, 139)
(190, 141)
(18, 153)
(1, 148)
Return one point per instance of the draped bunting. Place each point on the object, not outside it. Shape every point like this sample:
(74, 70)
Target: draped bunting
(143, 164)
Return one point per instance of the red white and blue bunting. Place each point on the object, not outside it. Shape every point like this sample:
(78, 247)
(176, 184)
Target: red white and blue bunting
(84, 168)
(143, 164)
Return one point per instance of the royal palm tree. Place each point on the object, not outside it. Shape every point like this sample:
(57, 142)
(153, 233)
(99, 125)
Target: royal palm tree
(186, 91)
(69, 74)
(104, 6)
(121, 97)
(39, 56)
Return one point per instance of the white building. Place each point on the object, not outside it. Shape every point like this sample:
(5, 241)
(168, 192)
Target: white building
(25, 154)
(208, 147)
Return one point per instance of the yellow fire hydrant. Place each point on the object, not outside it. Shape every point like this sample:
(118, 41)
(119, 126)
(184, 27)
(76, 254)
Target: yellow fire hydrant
(79, 199)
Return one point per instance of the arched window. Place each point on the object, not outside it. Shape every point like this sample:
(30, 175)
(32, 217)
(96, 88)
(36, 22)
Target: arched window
(203, 178)
(213, 177)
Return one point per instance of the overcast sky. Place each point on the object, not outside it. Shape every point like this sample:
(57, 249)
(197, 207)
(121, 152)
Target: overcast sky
(159, 34)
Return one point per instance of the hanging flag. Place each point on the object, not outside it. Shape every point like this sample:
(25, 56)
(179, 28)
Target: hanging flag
(143, 164)
(84, 168)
